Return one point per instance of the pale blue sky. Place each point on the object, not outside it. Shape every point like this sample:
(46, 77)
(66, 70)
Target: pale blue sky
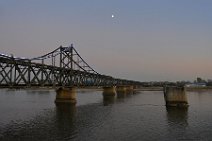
(146, 40)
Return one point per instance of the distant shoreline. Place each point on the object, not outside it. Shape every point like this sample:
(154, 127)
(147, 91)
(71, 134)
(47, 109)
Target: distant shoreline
(198, 88)
(187, 88)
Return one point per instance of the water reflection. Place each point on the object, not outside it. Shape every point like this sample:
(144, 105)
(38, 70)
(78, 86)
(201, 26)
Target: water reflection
(65, 119)
(37, 91)
(108, 100)
(121, 95)
(136, 92)
(130, 93)
(128, 117)
(65, 110)
(177, 116)
(48, 125)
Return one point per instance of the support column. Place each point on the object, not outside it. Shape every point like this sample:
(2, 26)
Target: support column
(121, 91)
(175, 96)
(66, 95)
(109, 94)
(130, 88)
(124, 90)
(109, 91)
(135, 87)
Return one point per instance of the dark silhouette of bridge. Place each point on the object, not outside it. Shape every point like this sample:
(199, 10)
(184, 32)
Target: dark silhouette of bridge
(63, 67)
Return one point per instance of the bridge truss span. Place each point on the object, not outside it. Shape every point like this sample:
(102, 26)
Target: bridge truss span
(63, 67)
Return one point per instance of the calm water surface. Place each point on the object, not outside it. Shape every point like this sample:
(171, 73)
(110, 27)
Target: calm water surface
(32, 115)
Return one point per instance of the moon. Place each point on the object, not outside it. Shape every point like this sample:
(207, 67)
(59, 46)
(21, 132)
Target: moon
(112, 16)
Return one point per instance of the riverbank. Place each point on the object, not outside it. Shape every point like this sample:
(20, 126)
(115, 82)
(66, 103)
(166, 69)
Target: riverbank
(187, 88)
(199, 88)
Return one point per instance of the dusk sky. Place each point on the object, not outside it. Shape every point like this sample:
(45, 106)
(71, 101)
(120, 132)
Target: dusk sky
(146, 40)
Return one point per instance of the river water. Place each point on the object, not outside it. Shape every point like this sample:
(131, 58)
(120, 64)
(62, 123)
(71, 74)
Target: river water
(31, 115)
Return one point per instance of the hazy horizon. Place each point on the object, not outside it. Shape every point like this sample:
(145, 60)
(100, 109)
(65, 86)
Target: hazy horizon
(146, 40)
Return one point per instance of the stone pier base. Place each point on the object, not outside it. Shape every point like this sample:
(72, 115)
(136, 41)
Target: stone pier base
(175, 96)
(121, 89)
(124, 89)
(66, 95)
(130, 88)
(109, 91)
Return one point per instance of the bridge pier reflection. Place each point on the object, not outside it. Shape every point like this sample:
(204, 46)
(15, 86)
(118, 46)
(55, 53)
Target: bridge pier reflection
(107, 100)
(177, 117)
(66, 95)
(121, 94)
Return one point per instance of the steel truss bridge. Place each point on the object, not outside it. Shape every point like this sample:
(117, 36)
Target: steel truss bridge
(63, 67)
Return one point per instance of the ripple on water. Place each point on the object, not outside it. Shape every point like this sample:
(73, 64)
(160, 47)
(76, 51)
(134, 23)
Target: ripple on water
(141, 116)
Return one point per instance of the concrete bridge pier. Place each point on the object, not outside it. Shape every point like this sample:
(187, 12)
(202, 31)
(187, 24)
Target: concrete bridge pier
(175, 96)
(135, 87)
(109, 94)
(130, 88)
(121, 89)
(66, 96)
(124, 90)
(109, 91)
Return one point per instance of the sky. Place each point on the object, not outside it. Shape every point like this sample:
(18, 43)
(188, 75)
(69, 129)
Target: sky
(146, 40)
